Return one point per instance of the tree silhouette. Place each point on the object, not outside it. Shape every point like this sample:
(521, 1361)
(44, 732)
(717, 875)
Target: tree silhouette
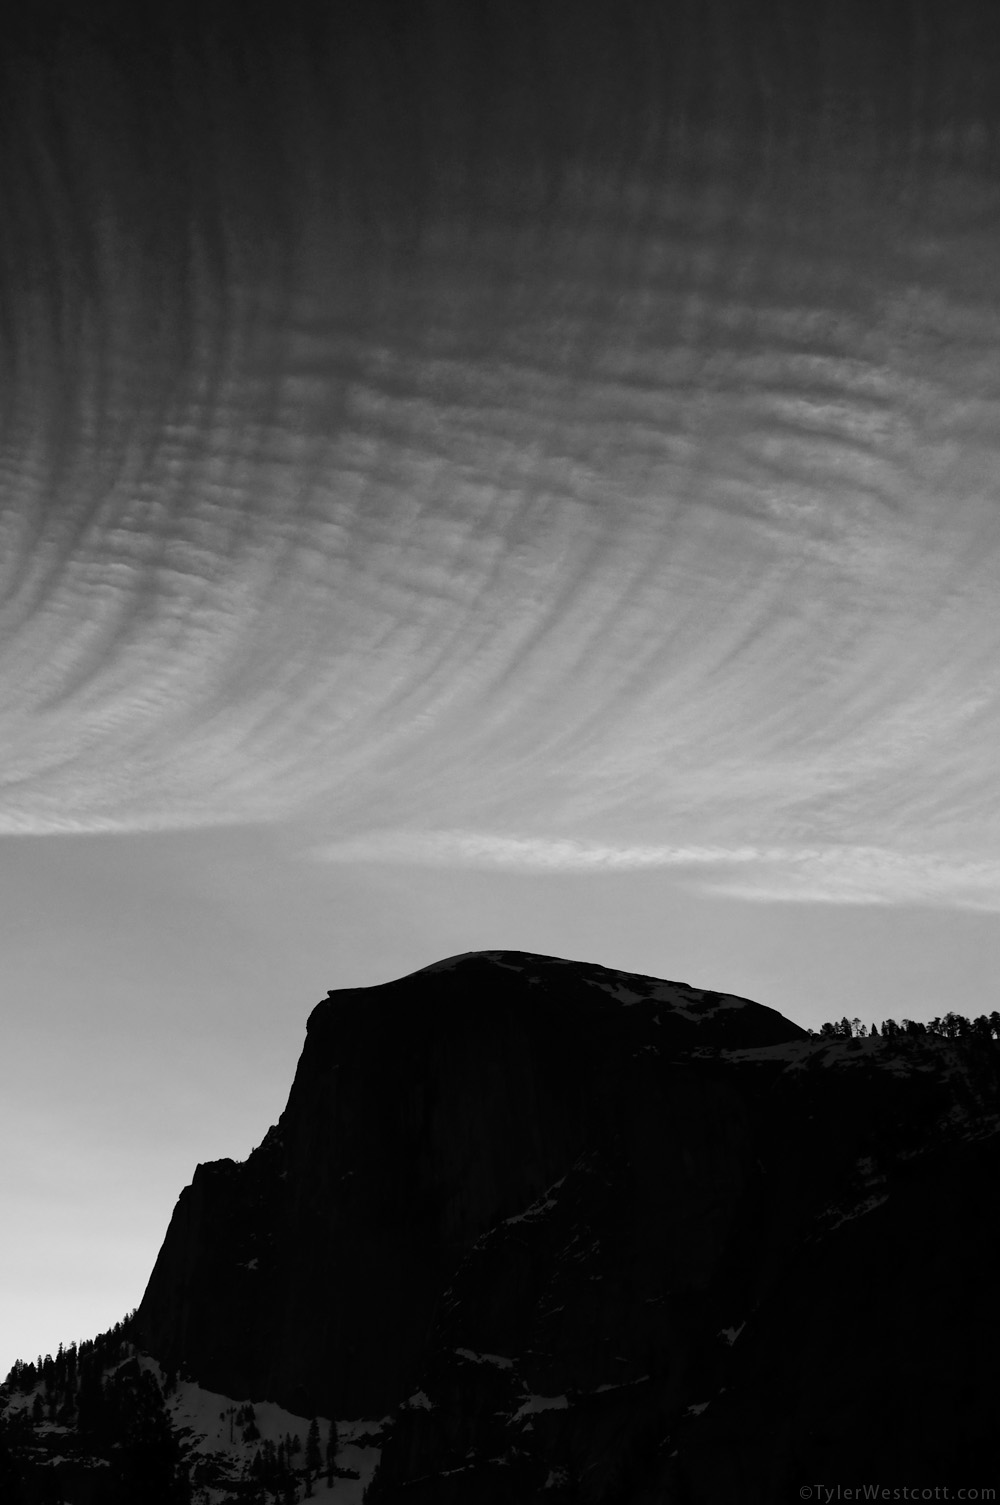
(331, 1451)
(951, 1026)
(314, 1460)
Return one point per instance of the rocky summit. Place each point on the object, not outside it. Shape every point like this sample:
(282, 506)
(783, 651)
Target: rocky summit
(570, 1234)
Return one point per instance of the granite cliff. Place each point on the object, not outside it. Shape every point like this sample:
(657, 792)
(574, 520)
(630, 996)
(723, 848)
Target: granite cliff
(579, 1235)
(423, 1114)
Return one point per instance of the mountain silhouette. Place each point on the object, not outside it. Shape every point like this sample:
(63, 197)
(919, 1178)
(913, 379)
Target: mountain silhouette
(562, 1233)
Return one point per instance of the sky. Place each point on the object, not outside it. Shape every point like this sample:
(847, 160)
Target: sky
(474, 483)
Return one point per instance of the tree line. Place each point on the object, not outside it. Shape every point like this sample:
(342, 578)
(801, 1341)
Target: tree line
(950, 1027)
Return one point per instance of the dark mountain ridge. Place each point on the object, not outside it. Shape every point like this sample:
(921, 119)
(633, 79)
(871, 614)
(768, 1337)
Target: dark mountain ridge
(580, 1235)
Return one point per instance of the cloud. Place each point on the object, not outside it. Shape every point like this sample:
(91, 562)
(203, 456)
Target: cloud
(640, 554)
(832, 875)
(537, 853)
(866, 875)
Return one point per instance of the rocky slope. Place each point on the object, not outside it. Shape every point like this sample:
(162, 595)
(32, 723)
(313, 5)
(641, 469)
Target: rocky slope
(578, 1235)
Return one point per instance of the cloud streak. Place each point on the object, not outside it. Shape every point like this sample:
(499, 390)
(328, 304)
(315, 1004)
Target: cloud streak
(836, 875)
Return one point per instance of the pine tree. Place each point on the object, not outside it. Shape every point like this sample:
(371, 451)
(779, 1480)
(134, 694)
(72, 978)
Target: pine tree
(331, 1451)
(313, 1459)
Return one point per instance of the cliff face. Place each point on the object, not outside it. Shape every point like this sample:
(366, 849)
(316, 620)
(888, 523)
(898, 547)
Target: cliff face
(422, 1114)
(589, 1236)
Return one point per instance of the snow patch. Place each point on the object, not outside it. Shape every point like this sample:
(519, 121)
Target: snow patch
(538, 1208)
(619, 991)
(620, 1385)
(868, 1205)
(485, 1358)
(214, 1430)
(790, 1051)
(501, 959)
(536, 1403)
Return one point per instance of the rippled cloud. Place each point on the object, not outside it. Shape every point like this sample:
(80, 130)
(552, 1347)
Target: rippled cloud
(663, 536)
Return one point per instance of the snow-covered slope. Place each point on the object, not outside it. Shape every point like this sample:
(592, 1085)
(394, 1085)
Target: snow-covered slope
(226, 1447)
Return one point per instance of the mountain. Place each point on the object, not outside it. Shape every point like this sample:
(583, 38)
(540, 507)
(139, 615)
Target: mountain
(531, 1229)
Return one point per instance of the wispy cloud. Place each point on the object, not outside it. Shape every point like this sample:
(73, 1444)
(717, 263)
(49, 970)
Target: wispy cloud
(532, 854)
(837, 875)
(639, 560)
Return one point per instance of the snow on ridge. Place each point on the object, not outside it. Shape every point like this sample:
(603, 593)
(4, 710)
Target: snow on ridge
(694, 1004)
(485, 1358)
(711, 1003)
(627, 988)
(622, 987)
(539, 1207)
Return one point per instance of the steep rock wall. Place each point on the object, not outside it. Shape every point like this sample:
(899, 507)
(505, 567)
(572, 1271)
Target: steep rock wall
(422, 1113)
